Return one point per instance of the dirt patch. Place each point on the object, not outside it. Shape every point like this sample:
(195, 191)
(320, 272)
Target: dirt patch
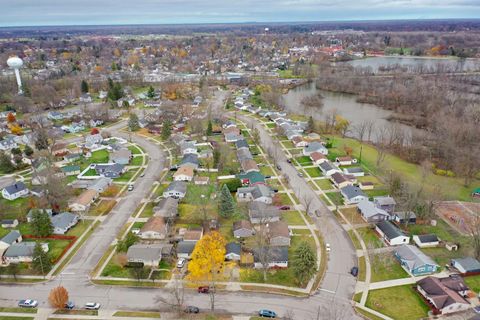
(459, 215)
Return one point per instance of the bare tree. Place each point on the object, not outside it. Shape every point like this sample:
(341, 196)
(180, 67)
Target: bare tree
(262, 243)
(307, 201)
(175, 297)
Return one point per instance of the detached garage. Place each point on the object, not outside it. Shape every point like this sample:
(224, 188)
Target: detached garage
(466, 265)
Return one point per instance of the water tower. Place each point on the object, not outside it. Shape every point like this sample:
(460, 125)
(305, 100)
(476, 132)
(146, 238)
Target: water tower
(16, 63)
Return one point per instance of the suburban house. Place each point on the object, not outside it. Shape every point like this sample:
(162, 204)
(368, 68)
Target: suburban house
(340, 180)
(233, 137)
(62, 222)
(233, 251)
(59, 149)
(415, 261)
(7, 144)
(241, 144)
(318, 158)
(184, 173)
(21, 252)
(344, 161)
(251, 178)
(298, 142)
(176, 189)
(191, 160)
(187, 147)
(244, 154)
(185, 249)
(352, 194)
(354, 171)
(249, 165)
(386, 203)
(30, 213)
(92, 141)
(121, 156)
(193, 235)
(315, 147)
(328, 169)
(9, 223)
(260, 212)
(154, 228)
(402, 217)
(445, 294)
(278, 233)
(148, 254)
(243, 229)
(278, 257)
(83, 201)
(370, 213)
(109, 170)
(100, 184)
(366, 185)
(466, 265)
(70, 170)
(15, 191)
(426, 240)
(259, 192)
(166, 208)
(10, 238)
(390, 234)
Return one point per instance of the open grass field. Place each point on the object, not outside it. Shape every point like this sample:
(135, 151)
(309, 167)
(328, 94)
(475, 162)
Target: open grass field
(386, 267)
(400, 303)
(314, 172)
(293, 218)
(370, 237)
(451, 187)
(335, 197)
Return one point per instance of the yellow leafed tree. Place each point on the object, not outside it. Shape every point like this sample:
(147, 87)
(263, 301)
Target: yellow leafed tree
(208, 257)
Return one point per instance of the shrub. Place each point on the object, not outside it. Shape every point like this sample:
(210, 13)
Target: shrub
(440, 172)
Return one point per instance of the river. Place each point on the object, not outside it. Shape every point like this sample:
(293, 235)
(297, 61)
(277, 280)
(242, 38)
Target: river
(345, 105)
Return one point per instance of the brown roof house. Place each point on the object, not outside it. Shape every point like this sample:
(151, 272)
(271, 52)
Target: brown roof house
(278, 233)
(243, 229)
(318, 158)
(184, 173)
(154, 229)
(83, 201)
(249, 165)
(193, 235)
(445, 294)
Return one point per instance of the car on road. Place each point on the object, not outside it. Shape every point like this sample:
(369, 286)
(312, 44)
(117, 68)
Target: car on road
(130, 187)
(204, 289)
(142, 174)
(300, 174)
(192, 309)
(354, 271)
(476, 310)
(181, 263)
(92, 305)
(318, 213)
(69, 305)
(279, 168)
(328, 247)
(289, 160)
(264, 313)
(284, 208)
(28, 303)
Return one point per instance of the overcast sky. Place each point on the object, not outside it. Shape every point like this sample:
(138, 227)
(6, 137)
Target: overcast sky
(78, 12)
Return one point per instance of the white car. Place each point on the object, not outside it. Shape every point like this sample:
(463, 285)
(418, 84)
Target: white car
(29, 303)
(92, 305)
(130, 187)
(181, 263)
(327, 245)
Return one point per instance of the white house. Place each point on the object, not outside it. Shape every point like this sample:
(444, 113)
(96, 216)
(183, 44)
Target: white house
(391, 234)
(426, 240)
(15, 191)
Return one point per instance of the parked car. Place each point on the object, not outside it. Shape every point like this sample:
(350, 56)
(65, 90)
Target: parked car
(192, 309)
(318, 213)
(267, 314)
(289, 160)
(69, 305)
(268, 177)
(142, 174)
(328, 247)
(354, 271)
(279, 168)
(476, 309)
(181, 263)
(300, 174)
(28, 303)
(284, 208)
(130, 187)
(204, 289)
(92, 305)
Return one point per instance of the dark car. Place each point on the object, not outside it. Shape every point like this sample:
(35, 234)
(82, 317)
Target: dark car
(289, 161)
(203, 289)
(192, 309)
(284, 208)
(267, 314)
(279, 168)
(354, 271)
(69, 305)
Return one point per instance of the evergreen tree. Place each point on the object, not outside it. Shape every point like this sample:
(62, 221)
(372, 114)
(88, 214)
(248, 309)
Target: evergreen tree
(166, 129)
(133, 124)
(216, 157)
(41, 260)
(6, 165)
(41, 142)
(114, 66)
(304, 262)
(115, 90)
(209, 128)
(227, 204)
(28, 151)
(151, 93)
(84, 86)
(41, 225)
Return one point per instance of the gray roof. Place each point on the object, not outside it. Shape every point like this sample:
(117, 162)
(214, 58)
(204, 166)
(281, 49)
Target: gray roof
(147, 252)
(276, 253)
(70, 168)
(351, 192)
(11, 237)
(468, 263)
(100, 183)
(390, 230)
(167, 207)
(189, 158)
(368, 209)
(179, 186)
(261, 190)
(16, 187)
(426, 238)
(244, 154)
(233, 247)
(22, 249)
(258, 210)
(109, 167)
(314, 146)
(384, 200)
(185, 247)
(63, 220)
(241, 144)
(353, 170)
(413, 257)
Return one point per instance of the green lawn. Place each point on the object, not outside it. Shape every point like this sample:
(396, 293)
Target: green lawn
(452, 188)
(324, 184)
(18, 310)
(100, 156)
(399, 303)
(136, 314)
(362, 269)
(336, 197)
(137, 161)
(56, 247)
(355, 241)
(473, 282)
(90, 173)
(314, 172)
(293, 218)
(134, 149)
(148, 210)
(266, 171)
(80, 228)
(15, 318)
(126, 176)
(283, 198)
(377, 192)
(386, 267)
(370, 237)
(304, 161)
(288, 144)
